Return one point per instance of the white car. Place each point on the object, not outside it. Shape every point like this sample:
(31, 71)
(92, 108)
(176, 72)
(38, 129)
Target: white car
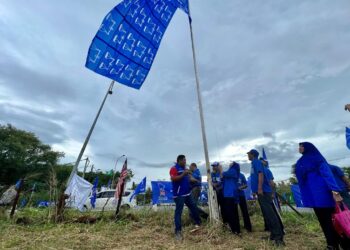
(106, 199)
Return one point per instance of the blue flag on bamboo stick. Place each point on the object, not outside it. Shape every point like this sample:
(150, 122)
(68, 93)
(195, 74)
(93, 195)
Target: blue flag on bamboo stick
(347, 135)
(264, 155)
(141, 188)
(127, 42)
(94, 193)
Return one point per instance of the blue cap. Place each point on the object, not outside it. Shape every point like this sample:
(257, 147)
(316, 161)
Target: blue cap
(215, 164)
(253, 152)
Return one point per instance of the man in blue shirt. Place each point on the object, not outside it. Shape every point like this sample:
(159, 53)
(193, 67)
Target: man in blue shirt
(262, 189)
(217, 185)
(180, 179)
(196, 187)
(242, 184)
(343, 183)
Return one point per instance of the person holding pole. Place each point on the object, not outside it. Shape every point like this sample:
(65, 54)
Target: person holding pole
(180, 179)
(242, 184)
(262, 189)
(218, 187)
(231, 196)
(196, 188)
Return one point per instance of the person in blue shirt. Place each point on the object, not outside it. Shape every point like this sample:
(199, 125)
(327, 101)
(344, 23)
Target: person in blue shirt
(275, 203)
(242, 184)
(231, 196)
(343, 183)
(261, 188)
(319, 189)
(218, 187)
(196, 187)
(180, 179)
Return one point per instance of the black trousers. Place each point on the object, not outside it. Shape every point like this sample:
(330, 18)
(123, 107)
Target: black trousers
(245, 214)
(231, 214)
(324, 216)
(272, 220)
(221, 203)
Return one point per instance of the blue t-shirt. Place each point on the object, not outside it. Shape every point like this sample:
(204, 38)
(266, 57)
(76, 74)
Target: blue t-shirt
(215, 178)
(338, 175)
(196, 174)
(242, 181)
(257, 167)
(268, 174)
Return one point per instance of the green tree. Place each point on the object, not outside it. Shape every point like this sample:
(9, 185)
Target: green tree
(22, 153)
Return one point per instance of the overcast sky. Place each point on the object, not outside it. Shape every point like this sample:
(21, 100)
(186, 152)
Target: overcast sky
(273, 73)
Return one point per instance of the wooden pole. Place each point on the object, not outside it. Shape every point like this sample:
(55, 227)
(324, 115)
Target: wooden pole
(19, 189)
(212, 200)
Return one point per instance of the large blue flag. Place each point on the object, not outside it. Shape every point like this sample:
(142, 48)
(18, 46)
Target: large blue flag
(94, 193)
(347, 134)
(128, 39)
(141, 188)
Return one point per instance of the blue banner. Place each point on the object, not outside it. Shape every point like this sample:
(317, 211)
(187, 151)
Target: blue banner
(127, 42)
(248, 191)
(94, 193)
(297, 195)
(162, 192)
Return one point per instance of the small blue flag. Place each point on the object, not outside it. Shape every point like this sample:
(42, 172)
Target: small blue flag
(128, 39)
(141, 188)
(347, 134)
(94, 193)
(109, 183)
(264, 155)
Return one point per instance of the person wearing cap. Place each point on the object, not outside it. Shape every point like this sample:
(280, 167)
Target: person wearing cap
(217, 185)
(180, 179)
(261, 188)
(242, 184)
(231, 196)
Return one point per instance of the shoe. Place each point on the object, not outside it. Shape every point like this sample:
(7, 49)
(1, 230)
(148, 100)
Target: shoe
(279, 243)
(196, 228)
(178, 236)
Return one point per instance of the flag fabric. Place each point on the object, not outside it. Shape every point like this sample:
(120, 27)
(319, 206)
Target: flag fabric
(129, 37)
(162, 192)
(264, 155)
(78, 190)
(94, 193)
(347, 134)
(141, 188)
(121, 181)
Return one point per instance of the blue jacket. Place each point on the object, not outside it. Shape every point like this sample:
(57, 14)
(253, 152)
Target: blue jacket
(196, 175)
(257, 167)
(316, 181)
(182, 187)
(338, 174)
(231, 177)
(242, 181)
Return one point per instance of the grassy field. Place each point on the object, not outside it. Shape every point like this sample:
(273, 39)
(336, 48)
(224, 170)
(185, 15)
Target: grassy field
(144, 229)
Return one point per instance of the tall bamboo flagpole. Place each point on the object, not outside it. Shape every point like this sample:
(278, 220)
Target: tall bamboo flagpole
(213, 205)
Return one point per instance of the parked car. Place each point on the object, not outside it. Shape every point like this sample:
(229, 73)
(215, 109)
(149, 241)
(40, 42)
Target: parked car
(106, 199)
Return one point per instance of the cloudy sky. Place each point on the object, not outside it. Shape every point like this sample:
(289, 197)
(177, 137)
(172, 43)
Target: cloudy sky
(273, 73)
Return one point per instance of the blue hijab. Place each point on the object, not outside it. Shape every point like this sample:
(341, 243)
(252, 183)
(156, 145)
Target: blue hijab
(310, 161)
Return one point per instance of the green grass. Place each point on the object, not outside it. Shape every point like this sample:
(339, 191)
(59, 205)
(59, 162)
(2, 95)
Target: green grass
(145, 229)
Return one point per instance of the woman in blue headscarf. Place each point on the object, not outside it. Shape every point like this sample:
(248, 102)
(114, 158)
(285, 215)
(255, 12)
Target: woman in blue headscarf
(319, 189)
